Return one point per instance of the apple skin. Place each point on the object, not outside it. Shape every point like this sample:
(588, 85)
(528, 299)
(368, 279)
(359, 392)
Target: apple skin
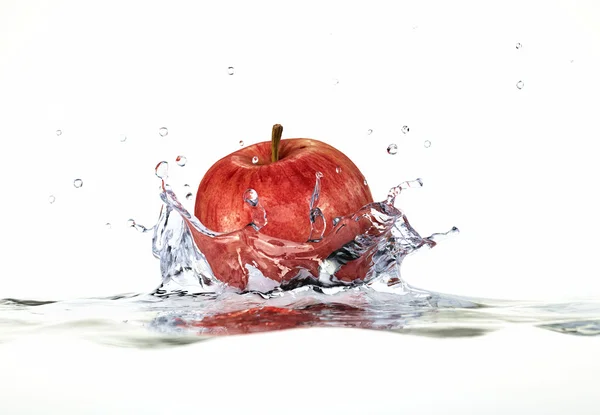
(279, 250)
(284, 188)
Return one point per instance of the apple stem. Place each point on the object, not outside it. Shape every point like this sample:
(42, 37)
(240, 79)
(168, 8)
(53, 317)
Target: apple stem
(275, 139)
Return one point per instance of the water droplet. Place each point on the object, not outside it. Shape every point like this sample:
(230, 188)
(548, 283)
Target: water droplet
(319, 175)
(187, 186)
(338, 169)
(405, 129)
(181, 160)
(107, 225)
(189, 196)
(251, 197)
(122, 138)
(162, 170)
(572, 60)
(58, 132)
(163, 131)
(258, 213)
(519, 46)
(369, 131)
(230, 70)
(392, 149)
(51, 199)
(365, 182)
(241, 143)
(336, 220)
(78, 183)
(131, 223)
(520, 84)
(254, 159)
(427, 143)
(336, 81)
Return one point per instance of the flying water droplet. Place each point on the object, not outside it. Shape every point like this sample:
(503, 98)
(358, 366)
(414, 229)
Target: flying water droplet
(181, 160)
(230, 70)
(258, 214)
(254, 159)
(51, 199)
(241, 143)
(405, 129)
(162, 170)
(78, 183)
(336, 81)
(520, 84)
(107, 225)
(186, 186)
(519, 46)
(392, 149)
(131, 223)
(338, 169)
(189, 196)
(122, 138)
(427, 143)
(163, 131)
(369, 131)
(58, 132)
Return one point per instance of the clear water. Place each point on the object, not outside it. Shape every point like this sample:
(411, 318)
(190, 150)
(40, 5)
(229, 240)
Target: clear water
(192, 304)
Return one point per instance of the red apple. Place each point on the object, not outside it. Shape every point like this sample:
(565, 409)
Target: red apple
(284, 175)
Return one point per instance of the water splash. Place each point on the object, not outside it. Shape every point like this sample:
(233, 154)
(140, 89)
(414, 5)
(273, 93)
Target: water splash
(359, 249)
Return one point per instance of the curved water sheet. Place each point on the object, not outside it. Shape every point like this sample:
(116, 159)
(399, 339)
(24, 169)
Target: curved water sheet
(366, 246)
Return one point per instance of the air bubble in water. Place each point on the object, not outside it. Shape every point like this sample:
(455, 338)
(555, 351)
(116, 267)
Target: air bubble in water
(58, 132)
(230, 70)
(181, 160)
(162, 170)
(163, 131)
(78, 183)
(520, 84)
(519, 46)
(338, 169)
(392, 149)
(122, 138)
(241, 143)
(189, 196)
(427, 143)
(51, 199)
(405, 129)
(254, 159)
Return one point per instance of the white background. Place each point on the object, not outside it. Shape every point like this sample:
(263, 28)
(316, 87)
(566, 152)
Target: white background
(514, 169)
